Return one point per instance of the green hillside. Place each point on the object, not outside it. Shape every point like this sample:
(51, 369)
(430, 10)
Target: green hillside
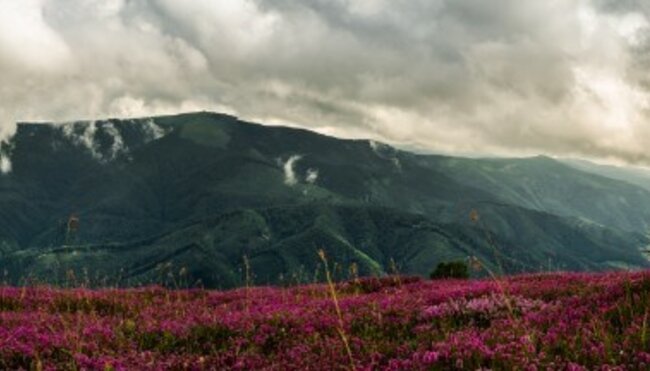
(280, 244)
(544, 184)
(200, 191)
(638, 176)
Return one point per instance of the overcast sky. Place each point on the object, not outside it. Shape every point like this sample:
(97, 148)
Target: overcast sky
(504, 77)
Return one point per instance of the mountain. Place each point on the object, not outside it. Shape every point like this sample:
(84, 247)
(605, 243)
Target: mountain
(131, 201)
(280, 245)
(544, 184)
(634, 175)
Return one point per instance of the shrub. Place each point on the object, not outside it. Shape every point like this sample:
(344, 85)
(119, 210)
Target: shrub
(455, 269)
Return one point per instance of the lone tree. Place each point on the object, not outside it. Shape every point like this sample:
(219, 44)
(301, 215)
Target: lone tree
(454, 269)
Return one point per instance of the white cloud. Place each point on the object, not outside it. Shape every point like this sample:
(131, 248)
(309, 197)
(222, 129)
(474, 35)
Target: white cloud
(26, 40)
(312, 176)
(290, 177)
(5, 164)
(85, 134)
(562, 77)
(152, 130)
(82, 134)
(117, 147)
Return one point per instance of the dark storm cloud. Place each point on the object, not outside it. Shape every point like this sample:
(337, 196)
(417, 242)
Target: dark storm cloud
(565, 77)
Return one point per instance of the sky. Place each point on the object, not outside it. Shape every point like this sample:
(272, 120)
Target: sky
(500, 77)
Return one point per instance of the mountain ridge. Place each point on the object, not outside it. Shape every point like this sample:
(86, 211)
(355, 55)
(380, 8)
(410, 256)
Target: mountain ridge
(132, 182)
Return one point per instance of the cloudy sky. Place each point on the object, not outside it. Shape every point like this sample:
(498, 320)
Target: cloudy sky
(504, 77)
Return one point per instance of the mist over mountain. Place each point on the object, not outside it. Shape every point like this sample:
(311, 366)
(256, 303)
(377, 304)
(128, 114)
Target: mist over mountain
(639, 176)
(130, 201)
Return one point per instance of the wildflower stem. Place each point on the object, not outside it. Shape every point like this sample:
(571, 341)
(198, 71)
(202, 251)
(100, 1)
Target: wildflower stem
(334, 296)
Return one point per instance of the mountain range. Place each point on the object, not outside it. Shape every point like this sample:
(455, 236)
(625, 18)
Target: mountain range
(208, 199)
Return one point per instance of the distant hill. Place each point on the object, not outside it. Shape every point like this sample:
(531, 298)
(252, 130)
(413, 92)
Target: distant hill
(200, 191)
(634, 175)
(544, 184)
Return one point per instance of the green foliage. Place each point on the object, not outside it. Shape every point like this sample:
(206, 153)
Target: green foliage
(454, 269)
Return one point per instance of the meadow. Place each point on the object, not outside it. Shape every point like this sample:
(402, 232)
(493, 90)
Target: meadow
(560, 321)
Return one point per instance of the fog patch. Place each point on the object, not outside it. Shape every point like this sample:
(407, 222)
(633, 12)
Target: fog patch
(89, 135)
(290, 177)
(82, 134)
(312, 176)
(5, 157)
(5, 164)
(117, 147)
(152, 130)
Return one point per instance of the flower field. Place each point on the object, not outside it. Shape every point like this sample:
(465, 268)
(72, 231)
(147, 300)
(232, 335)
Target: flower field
(550, 321)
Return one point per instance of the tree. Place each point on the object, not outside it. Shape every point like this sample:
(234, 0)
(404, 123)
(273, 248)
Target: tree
(454, 269)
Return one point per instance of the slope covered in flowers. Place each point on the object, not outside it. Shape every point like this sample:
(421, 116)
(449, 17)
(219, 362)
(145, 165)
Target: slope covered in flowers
(554, 321)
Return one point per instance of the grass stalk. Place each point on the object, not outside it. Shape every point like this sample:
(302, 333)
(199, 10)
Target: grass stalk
(247, 273)
(335, 300)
